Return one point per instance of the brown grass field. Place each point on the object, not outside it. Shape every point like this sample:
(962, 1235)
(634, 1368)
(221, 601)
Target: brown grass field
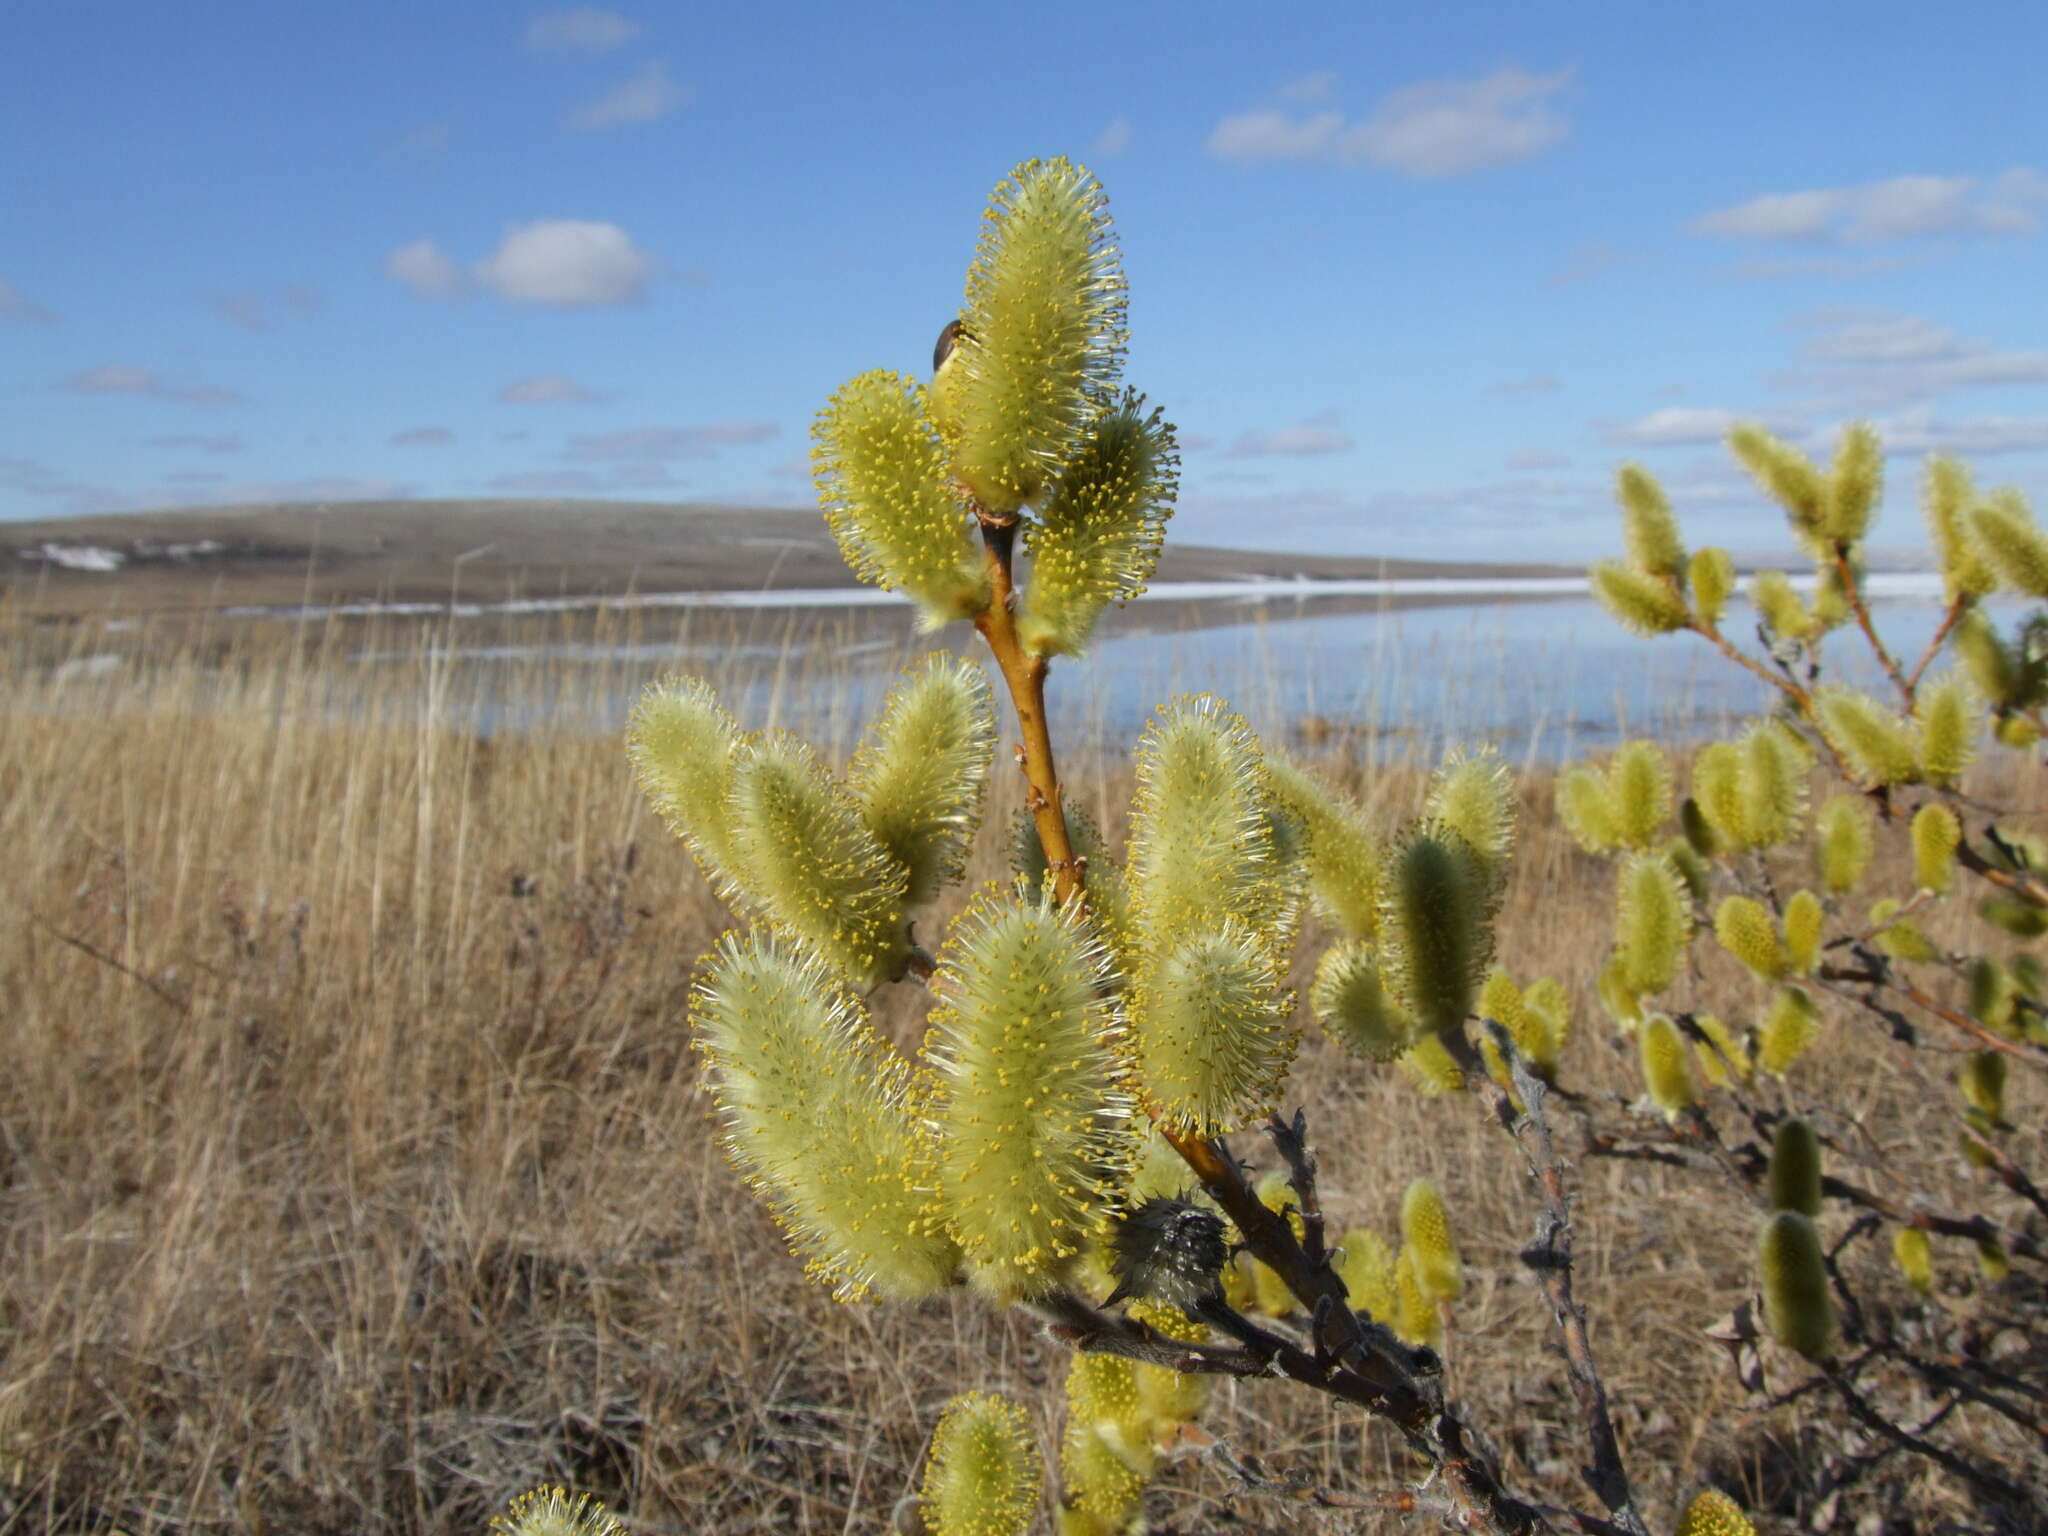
(354, 1175)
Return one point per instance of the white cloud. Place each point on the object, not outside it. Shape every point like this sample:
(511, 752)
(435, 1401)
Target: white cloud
(656, 444)
(1534, 384)
(16, 306)
(544, 389)
(1675, 425)
(549, 482)
(422, 437)
(1869, 360)
(642, 97)
(1318, 434)
(1584, 264)
(1432, 129)
(1113, 140)
(124, 379)
(1920, 431)
(567, 264)
(1900, 208)
(424, 268)
(582, 29)
(1534, 459)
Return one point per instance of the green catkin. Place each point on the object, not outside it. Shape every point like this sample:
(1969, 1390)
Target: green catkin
(1416, 1319)
(881, 477)
(808, 859)
(1744, 928)
(1641, 603)
(1946, 495)
(1913, 1253)
(1991, 994)
(1804, 919)
(2021, 919)
(1692, 869)
(1948, 717)
(920, 773)
(1584, 807)
(1876, 744)
(1426, 1234)
(1713, 1513)
(984, 1473)
(1344, 857)
(1790, 478)
(1639, 793)
(1436, 922)
(1843, 843)
(1795, 1169)
(1033, 1131)
(1649, 533)
(1855, 481)
(2005, 531)
(1711, 575)
(1982, 1081)
(1354, 1006)
(1653, 923)
(1665, 1071)
(682, 743)
(1797, 1308)
(1936, 836)
(822, 1118)
(1789, 1029)
(1366, 1267)
(1783, 613)
(1044, 323)
(1097, 539)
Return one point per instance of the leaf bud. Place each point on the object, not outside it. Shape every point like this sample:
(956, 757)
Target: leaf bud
(1168, 1251)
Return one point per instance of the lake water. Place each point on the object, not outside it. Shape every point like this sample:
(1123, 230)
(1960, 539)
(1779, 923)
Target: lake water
(1544, 674)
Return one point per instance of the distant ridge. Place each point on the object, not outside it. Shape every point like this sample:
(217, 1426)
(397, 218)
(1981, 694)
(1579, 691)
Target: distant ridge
(326, 552)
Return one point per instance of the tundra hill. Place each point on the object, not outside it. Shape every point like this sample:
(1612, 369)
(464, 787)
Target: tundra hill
(416, 551)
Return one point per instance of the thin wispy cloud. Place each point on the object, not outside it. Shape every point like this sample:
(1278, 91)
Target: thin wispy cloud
(1874, 360)
(18, 307)
(1318, 434)
(581, 29)
(660, 444)
(1899, 208)
(1532, 384)
(257, 309)
(1113, 140)
(200, 442)
(1919, 431)
(545, 389)
(645, 96)
(143, 383)
(1675, 426)
(422, 437)
(567, 264)
(1311, 90)
(1426, 131)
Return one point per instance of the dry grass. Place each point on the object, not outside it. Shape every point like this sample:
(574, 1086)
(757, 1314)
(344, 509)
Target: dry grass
(353, 1175)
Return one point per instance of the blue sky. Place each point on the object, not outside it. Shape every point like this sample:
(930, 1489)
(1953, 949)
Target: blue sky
(1410, 282)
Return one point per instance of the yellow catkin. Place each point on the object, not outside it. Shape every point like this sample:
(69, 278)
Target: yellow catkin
(1804, 917)
(1789, 1030)
(1640, 602)
(1416, 1319)
(1426, 1233)
(1949, 718)
(1711, 575)
(1842, 843)
(1936, 836)
(2013, 545)
(1913, 1253)
(1722, 1056)
(554, 1511)
(1653, 923)
(984, 1473)
(1713, 1513)
(1744, 928)
(1366, 1266)
(1649, 533)
(1666, 1073)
